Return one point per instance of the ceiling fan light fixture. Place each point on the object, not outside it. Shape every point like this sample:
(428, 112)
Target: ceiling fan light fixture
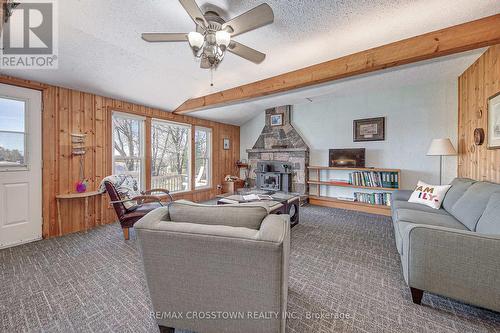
(196, 40)
(223, 38)
(214, 34)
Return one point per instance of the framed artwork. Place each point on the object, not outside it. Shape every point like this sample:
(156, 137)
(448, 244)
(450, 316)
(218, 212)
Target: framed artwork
(276, 120)
(494, 121)
(227, 144)
(371, 129)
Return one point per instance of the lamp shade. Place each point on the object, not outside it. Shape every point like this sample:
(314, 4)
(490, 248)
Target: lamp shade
(223, 38)
(441, 147)
(196, 40)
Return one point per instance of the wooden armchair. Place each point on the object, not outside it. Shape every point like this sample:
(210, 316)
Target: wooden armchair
(131, 205)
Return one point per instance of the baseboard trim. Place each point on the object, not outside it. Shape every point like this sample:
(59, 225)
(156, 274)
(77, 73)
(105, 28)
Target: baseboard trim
(5, 246)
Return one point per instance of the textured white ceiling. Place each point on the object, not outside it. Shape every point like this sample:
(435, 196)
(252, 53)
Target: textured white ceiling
(100, 49)
(437, 70)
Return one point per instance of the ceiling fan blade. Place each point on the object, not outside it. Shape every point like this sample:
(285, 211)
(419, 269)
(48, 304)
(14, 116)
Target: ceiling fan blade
(194, 11)
(246, 52)
(154, 37)
(253, 19)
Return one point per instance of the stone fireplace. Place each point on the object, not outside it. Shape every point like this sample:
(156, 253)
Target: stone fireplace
(281, 143)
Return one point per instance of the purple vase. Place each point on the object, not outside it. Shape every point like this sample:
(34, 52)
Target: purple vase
(81, 187)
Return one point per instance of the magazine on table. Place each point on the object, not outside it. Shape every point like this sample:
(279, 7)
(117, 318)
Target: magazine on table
(251, 197)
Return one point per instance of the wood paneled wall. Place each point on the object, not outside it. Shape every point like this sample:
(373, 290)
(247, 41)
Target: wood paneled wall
(476, 85)
(67, 111)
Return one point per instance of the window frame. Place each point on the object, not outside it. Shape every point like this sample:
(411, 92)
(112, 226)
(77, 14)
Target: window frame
(189, 153)
(142, 145)
(210, 157)
(25, 165)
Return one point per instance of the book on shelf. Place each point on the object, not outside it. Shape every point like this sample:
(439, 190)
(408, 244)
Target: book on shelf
(383, 199)
(385, 179)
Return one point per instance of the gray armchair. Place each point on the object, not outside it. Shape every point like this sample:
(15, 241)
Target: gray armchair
(213, 263)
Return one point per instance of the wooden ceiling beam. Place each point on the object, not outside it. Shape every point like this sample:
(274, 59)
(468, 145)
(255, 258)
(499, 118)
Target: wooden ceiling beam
(459, 38)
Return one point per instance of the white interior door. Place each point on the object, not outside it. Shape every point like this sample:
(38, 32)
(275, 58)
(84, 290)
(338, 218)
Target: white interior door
(20, 165)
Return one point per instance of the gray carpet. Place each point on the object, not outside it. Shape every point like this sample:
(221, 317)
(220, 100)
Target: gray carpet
(342, 264)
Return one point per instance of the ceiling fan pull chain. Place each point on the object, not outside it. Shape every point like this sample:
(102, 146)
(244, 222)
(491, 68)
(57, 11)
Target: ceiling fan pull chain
(211, 76)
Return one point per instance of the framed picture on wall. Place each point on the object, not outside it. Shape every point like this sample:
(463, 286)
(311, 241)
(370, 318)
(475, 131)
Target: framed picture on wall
(227, 144)
(371, 129)
(494, 121)
(276, 120)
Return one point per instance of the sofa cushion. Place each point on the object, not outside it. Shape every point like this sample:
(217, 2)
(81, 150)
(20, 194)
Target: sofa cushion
(398, 204)
(419, 217)
(402, 218)
(469, 208)
(458, 188)
(229, 215)
(489, 223)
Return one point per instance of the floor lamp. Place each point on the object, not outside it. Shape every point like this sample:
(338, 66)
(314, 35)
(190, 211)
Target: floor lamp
(441, 147)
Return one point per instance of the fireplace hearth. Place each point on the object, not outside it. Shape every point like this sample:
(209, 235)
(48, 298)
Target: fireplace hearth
(274, 176)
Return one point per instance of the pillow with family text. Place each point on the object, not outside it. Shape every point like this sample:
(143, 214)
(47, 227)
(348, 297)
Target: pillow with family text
(429, 195)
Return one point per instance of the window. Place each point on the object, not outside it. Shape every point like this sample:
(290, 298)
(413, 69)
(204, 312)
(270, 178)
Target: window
(12, 133)
(203, 153)
(170, 156)
(128, 146)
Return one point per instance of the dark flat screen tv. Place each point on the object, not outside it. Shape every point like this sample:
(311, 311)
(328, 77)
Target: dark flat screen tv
(347, 158)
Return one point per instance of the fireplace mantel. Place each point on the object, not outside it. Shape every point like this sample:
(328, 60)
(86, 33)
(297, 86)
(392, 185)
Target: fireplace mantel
(277, 150)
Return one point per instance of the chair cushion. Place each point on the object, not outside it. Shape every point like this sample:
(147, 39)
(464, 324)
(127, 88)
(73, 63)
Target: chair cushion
(489, 223)
(208, 229)
(126, 187)
(130, 218)
(469, 208)
(458, 188)
(229, 215)
(398, 204)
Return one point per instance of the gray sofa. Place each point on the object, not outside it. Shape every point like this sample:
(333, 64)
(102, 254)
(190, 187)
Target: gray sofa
(453, 251)
(207, 262)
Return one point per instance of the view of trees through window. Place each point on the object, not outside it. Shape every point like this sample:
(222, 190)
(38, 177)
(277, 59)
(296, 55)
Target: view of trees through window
(202, 147)
(170, 156)
(12, 132)
(127, 143)
(170, 153)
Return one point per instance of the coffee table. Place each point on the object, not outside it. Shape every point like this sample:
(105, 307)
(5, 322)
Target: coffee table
(289, 203)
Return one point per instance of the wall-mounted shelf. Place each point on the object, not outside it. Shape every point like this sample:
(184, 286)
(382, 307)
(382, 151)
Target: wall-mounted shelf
(353, 169)
(349, 205)
(371, 180)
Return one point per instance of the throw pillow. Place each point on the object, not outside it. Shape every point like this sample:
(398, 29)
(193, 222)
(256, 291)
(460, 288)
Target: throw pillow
(429, 195)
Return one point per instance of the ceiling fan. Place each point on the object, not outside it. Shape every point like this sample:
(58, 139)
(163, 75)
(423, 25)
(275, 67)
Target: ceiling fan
(214, 36)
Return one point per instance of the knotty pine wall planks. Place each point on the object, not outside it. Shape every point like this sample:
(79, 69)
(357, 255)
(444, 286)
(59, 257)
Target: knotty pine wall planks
(476, 85)
(67, 111)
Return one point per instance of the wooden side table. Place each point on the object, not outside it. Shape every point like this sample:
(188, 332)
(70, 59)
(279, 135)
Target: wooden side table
(84, 195)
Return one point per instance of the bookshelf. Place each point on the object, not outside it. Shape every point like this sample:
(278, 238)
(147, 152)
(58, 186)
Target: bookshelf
(375, 187)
